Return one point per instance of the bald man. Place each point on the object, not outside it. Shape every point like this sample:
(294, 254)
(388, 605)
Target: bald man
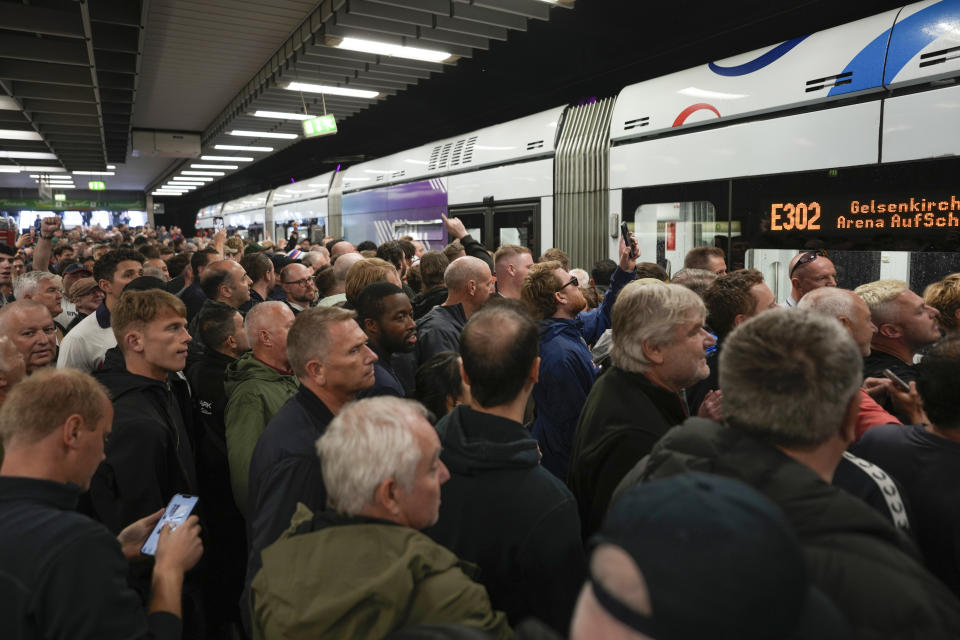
(808, 271)
(469, 285)
(338, 294)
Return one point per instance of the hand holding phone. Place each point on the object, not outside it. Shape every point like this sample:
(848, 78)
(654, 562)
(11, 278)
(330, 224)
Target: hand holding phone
(897, 380)
(628, 241)
(179, 509)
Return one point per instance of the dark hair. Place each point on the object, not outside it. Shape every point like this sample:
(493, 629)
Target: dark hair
(938, 376)
(699, 257)
(61, 247)
(409, 250)
(366, 245)
(370, 301)
(177, 264)
(433, 264)
(216, 324)
(106, 267)
(63, 264)
(7, 250)
(392, 253)
(256, 265)
(602, 272)
(498, 346)
(279, 261)
(436, 379)
(728, 297)
(325, 279)
(558, 255)
(200, 259)
(414, 281)
(149, 251)
(212, 281)
(651, 270)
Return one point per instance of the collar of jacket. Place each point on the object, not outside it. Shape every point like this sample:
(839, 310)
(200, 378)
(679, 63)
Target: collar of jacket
(655, 392)
(316, 411)
(103, 315)
(61, 495)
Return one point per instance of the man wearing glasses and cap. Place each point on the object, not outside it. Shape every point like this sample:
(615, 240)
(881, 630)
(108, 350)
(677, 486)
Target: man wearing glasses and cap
(809, 270)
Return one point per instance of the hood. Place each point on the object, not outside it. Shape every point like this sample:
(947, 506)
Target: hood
(814, 507)
(425, 301)
(115, 377)
(553, 327)
(248, 368)
(474, 442)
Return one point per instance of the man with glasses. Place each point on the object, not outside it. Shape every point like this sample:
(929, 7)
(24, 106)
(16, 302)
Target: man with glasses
(567, 370)
(808, 271)
(297, 282)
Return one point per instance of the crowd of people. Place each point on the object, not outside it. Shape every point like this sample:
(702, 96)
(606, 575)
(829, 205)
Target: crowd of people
(394, 442)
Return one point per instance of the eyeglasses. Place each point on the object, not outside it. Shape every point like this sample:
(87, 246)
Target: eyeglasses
(573, 281)
(300, 283)
(808, 256)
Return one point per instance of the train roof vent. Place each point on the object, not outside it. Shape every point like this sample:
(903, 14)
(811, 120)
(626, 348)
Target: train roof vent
(380, 178)
(829, 81)
(939, 57)
(636, 123)
(536, 144)
(468, 150)
(399, 174)
(434, 157)
(457, 152)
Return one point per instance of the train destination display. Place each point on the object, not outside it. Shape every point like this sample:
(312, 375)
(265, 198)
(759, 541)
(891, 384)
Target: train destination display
(890, 214)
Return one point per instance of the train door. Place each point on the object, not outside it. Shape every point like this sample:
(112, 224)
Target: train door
(497, 224)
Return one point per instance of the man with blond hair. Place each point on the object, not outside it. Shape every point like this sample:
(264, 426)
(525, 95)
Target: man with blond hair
(149, 458)
(905, 324)
(362, 569)
(365, 272)
(511, 262)
(66, 575)
(659, 348)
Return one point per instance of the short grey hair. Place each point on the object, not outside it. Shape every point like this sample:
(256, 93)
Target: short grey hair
(879, 296)
(155, 272)
(368, 442)
(788, 376)
(697, 280)
(259, 317)
(343, 264)
(309, 337)
(314, 256)
(829, 301)
(28, 283)
(649, 312)
(463, 270)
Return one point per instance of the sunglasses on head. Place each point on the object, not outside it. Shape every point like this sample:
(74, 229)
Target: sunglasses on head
(807, 257)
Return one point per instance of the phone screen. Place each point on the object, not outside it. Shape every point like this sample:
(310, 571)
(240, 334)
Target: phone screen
(179, 509)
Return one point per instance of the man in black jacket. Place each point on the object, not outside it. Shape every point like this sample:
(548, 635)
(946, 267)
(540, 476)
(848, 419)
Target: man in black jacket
(386, 316)
(501, 509)
(659, 348)
(328, 352)
(64, 575)
(222, 329)
(790, 380)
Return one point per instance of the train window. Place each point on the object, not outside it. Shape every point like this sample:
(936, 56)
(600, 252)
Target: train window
(666, 231)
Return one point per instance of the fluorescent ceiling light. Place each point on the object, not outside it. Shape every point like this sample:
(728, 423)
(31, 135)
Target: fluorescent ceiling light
(214, 166)
(44, 169)
(384, 49)
(192, 179)
(28, 155)
(111, 166)
(226, 158)
(282, 115)
(237, 147)
(8, 104)
(166, 193)
(93, 173)
(202, 173)
(191, 183)
(9, 168)
(263, 134)
(19, 134)
(331, 91)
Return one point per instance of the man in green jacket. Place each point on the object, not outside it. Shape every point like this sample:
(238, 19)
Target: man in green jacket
(363, 569)
(257, 385)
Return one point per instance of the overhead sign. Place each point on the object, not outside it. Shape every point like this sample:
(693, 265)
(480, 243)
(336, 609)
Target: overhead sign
(96, 185)
(59, 197)
(319, 126)
(73, 205)
(892, 214)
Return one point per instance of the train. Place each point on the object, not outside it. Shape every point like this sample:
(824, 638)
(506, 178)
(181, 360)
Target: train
(845, 140)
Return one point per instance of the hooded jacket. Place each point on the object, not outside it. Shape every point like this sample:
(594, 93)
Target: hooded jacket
(624, 416)
(255, 392)
(423, 302)
(505, 513)
(853, 554)
(334, 577)
(149, 457)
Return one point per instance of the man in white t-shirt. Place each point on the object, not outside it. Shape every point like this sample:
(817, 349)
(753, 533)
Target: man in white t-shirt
(84, 347)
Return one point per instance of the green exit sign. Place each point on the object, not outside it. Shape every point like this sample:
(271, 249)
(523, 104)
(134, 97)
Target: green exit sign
(319, 126)
(96, 185)
(59, 197)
